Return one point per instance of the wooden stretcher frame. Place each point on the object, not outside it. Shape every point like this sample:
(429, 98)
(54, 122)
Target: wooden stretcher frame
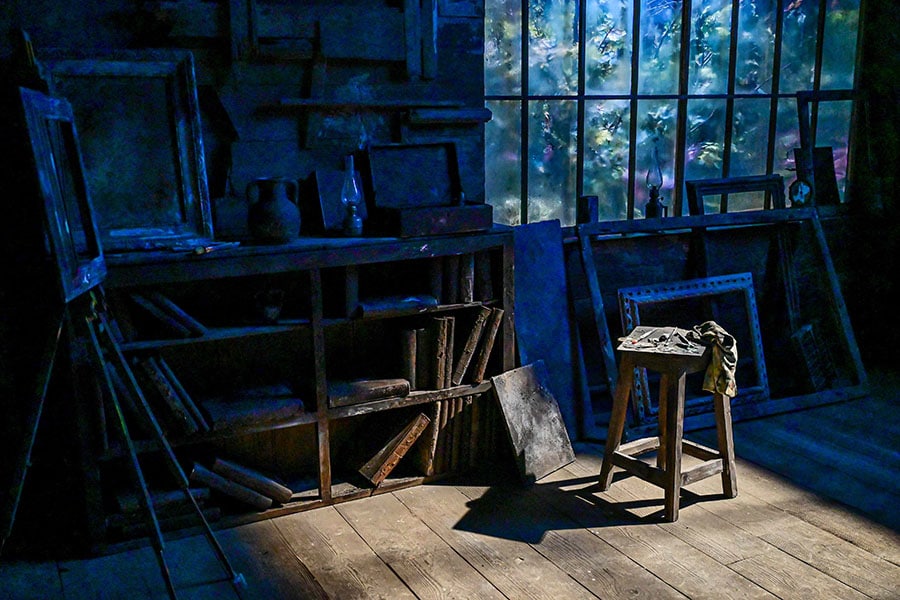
(696, 189)
(631, 299)
(590, 233)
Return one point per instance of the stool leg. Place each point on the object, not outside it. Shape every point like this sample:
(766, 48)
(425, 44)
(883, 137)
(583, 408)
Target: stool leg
(672, 393)
(616, 421)
(722, 404)
(661, 418)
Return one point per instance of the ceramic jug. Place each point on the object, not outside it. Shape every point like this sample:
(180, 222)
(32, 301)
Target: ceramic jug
(273, 215)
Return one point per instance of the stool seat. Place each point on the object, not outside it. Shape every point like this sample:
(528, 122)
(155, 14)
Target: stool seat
(674, 360)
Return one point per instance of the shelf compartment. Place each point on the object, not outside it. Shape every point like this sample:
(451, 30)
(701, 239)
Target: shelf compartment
(218, 334)
(142, 446)
(414, 398)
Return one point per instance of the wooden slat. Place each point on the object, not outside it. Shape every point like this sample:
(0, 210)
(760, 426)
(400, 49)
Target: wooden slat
(338, 557)
(27, 579)
(639, 446)
(702, 471)
(788, 577)
(837, 557)
(640, 468)
(852, 478)
(428, 566)
(687, 569)
(131, 574)
(700, 451)
(595, 564)
(490, 543)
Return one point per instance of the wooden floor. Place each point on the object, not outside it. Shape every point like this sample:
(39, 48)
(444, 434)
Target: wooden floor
(562, 538)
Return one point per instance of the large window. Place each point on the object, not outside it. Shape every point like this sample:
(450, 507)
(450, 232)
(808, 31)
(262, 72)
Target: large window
(608, 97)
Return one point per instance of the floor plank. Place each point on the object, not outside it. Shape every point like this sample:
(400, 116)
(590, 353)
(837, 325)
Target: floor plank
(828, 553)
(591, 561)
(127, 574)
(258, 554)
(674, 561)
(814, 448)
(427, 564)
(28, 580)
(516, 569)
(787, 577)
(829, 515)
(339, 558)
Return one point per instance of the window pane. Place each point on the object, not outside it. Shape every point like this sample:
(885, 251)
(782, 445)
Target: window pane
(660, 44)
(832, 130)
(705, 144)
(756, 47)
(655, 137)
(749, 137)
(787, 137)
(798, 46)
(551, 161)
(503, 47)
(839, 50)
(503, 162)
(608, 47)
(749, 143)
(606, 156)
(710, 39)
(553, 47)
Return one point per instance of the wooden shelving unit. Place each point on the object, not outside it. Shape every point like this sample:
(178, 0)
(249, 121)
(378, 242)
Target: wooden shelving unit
(322, 338)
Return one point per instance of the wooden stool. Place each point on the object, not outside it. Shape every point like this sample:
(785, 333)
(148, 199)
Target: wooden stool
(674, 364)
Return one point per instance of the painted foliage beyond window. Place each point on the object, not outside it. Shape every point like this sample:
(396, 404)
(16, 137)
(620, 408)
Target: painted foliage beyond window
(598, 97)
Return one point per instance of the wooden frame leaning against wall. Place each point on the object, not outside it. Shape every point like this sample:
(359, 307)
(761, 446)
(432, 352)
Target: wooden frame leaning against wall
(795, 283)
(139, 117)
(632, 299)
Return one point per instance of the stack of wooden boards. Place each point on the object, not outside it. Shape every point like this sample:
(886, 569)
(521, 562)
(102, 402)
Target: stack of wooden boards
(241, 483)
(430, 360)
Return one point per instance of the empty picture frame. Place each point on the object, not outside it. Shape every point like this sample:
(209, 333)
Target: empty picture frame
(72, 239)
(632, 299)
(772, 185)
(141, 139)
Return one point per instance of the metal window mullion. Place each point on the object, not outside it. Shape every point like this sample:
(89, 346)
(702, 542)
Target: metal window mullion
(817, 72)
(859, 109)
(633, 108)
(580, 126)
(523, 108)
(776, 86)
(729, 101)
(681, 118)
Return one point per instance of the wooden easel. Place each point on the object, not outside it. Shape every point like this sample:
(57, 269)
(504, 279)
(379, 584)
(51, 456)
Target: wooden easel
(95, 325)
(61, 204)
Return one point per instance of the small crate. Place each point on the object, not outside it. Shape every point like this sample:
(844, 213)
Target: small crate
(414, 190)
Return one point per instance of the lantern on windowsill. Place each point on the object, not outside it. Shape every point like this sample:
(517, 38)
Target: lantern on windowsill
(655, 207)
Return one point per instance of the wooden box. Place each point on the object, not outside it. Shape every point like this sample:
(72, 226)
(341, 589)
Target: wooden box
(414, 190)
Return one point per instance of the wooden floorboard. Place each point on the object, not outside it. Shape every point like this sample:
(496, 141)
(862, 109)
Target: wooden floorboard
(419, 557)
(341, 560)
(810, 521)
(814, 449)
(517, 570)
(588, 559)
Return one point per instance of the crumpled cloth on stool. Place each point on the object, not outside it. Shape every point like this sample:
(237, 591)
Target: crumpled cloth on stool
(720, 374)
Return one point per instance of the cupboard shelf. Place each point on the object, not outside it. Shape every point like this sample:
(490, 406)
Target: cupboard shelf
(217, 334)
(117, 451)
(414, 398)
(323, 281)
